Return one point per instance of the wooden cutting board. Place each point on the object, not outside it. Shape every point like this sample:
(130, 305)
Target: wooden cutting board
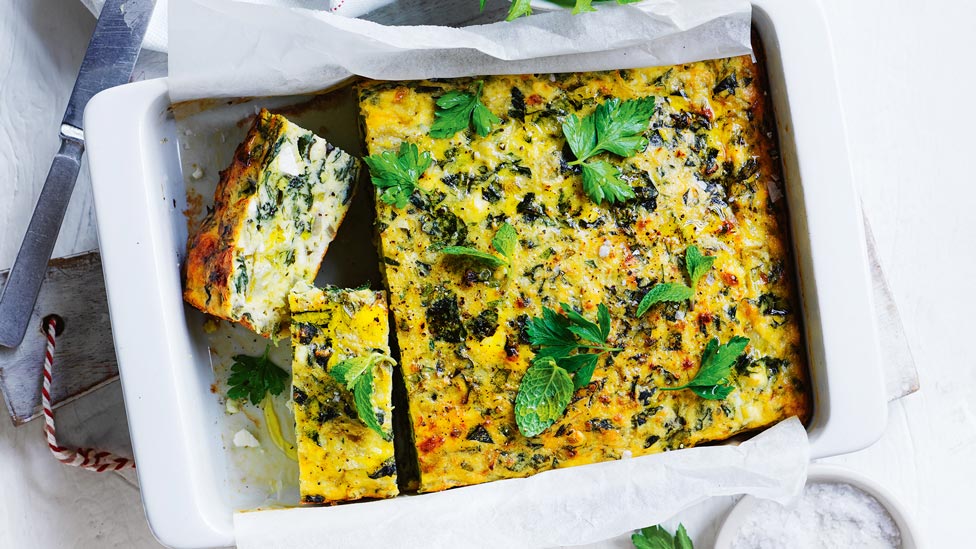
(84, 359)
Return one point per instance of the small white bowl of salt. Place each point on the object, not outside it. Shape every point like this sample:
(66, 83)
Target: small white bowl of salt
(838, 509)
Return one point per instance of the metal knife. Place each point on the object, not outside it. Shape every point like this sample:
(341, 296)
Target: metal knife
(108, 62)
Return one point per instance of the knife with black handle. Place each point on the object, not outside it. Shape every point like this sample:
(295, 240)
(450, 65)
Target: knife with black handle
(108, 62)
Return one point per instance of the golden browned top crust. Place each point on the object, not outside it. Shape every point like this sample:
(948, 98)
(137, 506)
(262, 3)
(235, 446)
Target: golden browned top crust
(708, 177)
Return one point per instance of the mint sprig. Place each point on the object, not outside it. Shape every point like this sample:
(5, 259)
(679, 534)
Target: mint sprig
(711, 382)
(544, 394)
(504, 242)
(356, 374)
(696, 265)
(397, 174)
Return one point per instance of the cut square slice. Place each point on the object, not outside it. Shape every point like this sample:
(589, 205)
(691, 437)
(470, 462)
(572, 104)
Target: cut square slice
(342, 386)
(276, 210)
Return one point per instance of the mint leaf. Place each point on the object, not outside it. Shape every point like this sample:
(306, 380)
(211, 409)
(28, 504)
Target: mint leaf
(601, 181)
(697, 264)
(363, 397)
(544, 393)
(396, 175)
(711, 382)
(457, 110)
(252, 377)
(505, 241)
(663, 292)
(356, 374)
(490, 259)
(348, 371)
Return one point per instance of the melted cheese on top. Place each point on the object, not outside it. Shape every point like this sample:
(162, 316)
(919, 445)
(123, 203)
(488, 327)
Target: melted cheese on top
(702, 180)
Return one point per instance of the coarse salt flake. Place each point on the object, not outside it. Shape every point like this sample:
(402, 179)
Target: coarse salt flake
(826, 515)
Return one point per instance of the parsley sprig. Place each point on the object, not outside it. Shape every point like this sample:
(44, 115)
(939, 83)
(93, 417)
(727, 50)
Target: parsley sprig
(556, 372)
(253, 377)
(696, 265)
(457, 110)
(614, 127)
(357, 375)
(711, 382)
(397, 174)
(656, 537)
(504, 242)
(258, 379)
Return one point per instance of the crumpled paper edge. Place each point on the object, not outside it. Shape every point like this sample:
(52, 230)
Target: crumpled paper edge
(226, 48)
(571, 506)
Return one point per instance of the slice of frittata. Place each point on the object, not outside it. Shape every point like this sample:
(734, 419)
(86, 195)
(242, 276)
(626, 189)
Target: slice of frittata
(342, 383)
(276, 210)
(706, 176)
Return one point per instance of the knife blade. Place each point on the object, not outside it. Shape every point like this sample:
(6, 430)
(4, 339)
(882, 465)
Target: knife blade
(108, 62)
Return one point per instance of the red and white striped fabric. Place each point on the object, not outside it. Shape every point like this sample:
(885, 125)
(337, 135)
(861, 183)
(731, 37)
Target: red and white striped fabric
(87, 458)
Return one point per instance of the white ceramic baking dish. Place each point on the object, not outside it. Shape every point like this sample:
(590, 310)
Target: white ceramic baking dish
(165, 366)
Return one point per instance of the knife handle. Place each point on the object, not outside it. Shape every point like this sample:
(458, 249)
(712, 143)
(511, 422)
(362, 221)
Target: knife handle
(24, 281)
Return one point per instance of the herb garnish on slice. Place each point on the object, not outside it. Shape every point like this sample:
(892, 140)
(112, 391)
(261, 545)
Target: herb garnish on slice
(614, 127)
(711, 382)
(258, 379)
(696, 265)
(656, 537)
(357, 375)
(397, 174)
(504, 243)
(457, 110)
(542, 396)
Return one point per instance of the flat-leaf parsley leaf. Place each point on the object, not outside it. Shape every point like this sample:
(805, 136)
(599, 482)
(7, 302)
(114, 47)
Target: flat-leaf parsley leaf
(457, 110)
(397, 174)
(614, 127)
(251, 377)
(711, 382)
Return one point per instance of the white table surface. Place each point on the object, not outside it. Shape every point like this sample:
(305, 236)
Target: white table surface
(905, 82)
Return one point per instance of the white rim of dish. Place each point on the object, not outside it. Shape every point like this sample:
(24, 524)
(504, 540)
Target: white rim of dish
(827, 473)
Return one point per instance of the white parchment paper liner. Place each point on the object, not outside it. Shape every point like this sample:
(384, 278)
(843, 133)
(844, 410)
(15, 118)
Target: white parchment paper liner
(569, 506)
(226, 48)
